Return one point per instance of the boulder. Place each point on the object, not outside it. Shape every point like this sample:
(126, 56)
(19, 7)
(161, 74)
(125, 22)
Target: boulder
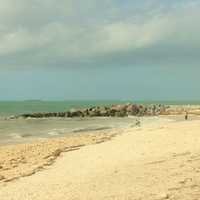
(76, 113)
(113, 111)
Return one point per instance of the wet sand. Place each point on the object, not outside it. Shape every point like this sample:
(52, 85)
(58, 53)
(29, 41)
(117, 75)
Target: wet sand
(26, 159)
(158, 161)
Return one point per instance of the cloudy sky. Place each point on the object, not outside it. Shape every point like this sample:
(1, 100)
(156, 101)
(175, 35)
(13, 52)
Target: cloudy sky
(99, 49)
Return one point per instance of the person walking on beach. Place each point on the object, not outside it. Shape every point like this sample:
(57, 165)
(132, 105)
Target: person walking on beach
(186, 115)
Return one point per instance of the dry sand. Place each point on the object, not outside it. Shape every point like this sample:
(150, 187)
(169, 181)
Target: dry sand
(150, 163)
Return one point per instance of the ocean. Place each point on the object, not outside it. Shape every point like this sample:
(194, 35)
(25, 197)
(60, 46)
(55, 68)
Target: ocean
(24, 130)
(8, 108)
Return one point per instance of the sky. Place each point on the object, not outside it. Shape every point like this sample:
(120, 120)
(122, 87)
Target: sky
(92, 49)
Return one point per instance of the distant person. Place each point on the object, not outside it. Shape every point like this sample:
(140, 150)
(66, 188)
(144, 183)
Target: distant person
(186, 115)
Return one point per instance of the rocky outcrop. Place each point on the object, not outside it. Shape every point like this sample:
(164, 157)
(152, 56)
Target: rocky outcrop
(103, 111)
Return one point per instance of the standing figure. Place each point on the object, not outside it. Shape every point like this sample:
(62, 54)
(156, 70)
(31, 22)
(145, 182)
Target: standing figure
(186, 115)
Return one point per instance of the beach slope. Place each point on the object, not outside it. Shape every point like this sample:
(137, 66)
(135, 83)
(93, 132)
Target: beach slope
(154, 162)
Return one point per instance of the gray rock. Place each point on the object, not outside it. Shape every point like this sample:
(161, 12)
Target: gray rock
(113, 111)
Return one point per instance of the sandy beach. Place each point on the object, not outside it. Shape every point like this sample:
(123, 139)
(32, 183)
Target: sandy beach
(157, 161)
(26, 159)
(100, 100)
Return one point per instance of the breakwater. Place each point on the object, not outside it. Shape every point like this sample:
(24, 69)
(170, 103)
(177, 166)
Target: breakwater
(102, 111)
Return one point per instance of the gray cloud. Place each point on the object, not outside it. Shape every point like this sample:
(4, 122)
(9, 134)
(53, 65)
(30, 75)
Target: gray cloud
(51, 33)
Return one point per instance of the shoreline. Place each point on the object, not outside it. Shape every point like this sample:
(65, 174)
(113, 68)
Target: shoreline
(20, 160)
(156, 161)
(19, 131)
(24, 159)
(87, 125)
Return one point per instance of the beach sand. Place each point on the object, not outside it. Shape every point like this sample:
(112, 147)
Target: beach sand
(21, 160)
(158, 161)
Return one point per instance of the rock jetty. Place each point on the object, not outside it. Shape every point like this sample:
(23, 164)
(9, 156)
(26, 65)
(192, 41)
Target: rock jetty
(103, 111)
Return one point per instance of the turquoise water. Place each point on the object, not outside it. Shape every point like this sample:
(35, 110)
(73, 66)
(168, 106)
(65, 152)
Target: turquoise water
(19, 107)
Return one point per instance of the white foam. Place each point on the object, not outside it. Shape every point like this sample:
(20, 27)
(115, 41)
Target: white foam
(15, 136)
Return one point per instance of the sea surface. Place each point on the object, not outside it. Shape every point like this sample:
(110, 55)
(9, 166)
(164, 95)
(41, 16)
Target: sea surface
(8, 108)
(23, 130)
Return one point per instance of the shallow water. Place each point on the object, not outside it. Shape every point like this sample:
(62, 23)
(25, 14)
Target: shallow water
(22, 130)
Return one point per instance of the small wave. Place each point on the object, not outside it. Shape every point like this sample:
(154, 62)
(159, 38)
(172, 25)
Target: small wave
(91, 129)
(15, 136)
(53, 133)
(19, 136)
(26, 135)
